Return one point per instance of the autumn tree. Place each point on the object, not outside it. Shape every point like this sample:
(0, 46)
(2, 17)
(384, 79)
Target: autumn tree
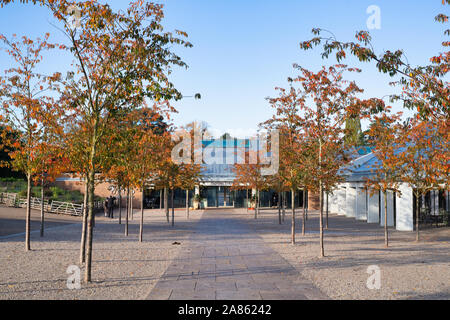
(249, 175)
(287, 120)
(385, 135)
(50, 161)
(333, 101)
(120, 58)
(24, 103)
(431, 92)
(424, 147)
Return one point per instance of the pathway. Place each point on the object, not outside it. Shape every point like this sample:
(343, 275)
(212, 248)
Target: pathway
(226, 260)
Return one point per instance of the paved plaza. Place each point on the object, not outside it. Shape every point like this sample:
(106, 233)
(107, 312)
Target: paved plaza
(222, 254)
(226, 260)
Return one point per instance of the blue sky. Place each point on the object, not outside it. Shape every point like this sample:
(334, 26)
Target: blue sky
(244, 49)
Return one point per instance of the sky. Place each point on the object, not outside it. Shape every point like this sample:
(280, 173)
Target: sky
(243, 49)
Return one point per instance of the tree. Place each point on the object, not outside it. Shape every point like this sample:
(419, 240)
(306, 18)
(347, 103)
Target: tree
(50, 162)
(431, 91)
(353, 133)
(320, 126)
(149, 138)
(420, 159)
(120, 58)
(22, 94)
(249, 176)
(385, 135)
(287, 120)
(189, 176)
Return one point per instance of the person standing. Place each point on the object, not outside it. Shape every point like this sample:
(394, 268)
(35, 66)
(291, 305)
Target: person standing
(105, 207)
(111, 207)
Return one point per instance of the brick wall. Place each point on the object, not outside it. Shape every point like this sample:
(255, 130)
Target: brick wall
(101, 190)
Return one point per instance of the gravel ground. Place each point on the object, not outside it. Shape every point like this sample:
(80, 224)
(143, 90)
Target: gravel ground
(409, 270)
(123, 268)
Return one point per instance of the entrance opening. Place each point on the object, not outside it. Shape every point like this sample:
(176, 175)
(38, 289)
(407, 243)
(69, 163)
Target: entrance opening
(219, 197)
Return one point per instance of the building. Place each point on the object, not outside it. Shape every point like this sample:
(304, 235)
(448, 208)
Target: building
(353, 199)
(219, 156)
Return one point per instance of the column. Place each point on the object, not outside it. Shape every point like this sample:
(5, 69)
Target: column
(373, 209)
(404, 206)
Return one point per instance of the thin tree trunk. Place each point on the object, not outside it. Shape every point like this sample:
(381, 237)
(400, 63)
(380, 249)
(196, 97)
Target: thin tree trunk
(284, 205)
(160, 199)
(28, 214)
(120, 206)
(131, 204)
(304, 213)
(187, 204)
(307, 205)
(256, 204)
(247, 198)
(128, 213)
(173, 208)
(90, 229)
(386, 236)
(417, 217)
(84, 224)
(279, 207)
(293, 217)
(166, 203)
(322, 251)
(326, 220)
(141, 228)
(42, 206)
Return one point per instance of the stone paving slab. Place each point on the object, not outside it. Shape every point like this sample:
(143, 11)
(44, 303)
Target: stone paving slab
(225, 260)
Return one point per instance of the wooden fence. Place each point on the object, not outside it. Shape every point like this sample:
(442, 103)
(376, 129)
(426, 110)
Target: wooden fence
(57, 207)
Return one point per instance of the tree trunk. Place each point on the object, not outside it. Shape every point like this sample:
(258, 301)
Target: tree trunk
(247, 198)
(28, 214)
(386, 236)
(284, 205)
(160, 199)
(304, 213)
(187, 204)
(166, 203)
(42, 207)
(417, 217)
(131, 204)
(120, 206)
(279, 207)
(173, 208)
(322, 251)
(256, 204)
(84, 224)
(306, 205)
(293, 217)
(90, 229)
(326, 220)
(128, 212)
(141, 228)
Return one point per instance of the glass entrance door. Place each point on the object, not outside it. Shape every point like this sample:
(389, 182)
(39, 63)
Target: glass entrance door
(219, 197)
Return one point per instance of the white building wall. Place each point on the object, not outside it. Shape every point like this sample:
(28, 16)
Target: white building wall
(390, 208)
(333, 200)
(404, 209)
(350, 203)
(373, 215)
(342, 200)
(361, 210)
